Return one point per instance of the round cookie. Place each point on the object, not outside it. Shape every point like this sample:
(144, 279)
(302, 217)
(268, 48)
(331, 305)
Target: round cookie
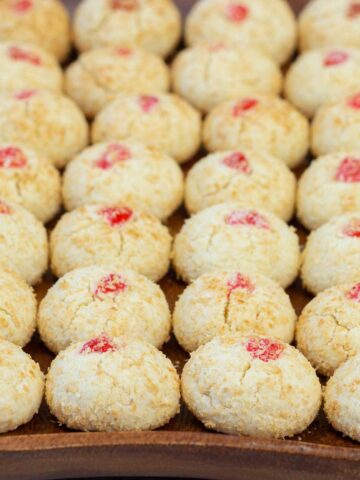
(253, 385)
(230, 302)
(249, 178)
(112, 384)
(328, 331)
(328, 188)
(332, 254)
(44, 23)
(110, 235)
(322, 75)
(209, 75)
(154, 25)
(93, 300)
(164, 121)
(22, 387)
(266, 24)
(336, 127)
(127, 173)
(17, 308)
(30, 181)
(98, 75)
(24, 66)
(324, 23)
(49, 123)
(342, 397)
(265, 123)
(229, 237)
(23, 246)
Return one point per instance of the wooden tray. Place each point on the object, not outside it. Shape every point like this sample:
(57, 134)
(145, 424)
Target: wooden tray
(44, 450)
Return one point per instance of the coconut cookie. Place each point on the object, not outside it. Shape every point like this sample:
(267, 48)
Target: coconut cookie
(264, 123)
(209, 75)
(44, 23)
(252, 179)
(23, 245)
(253, 385)
(268, 25)
(22, 386)
(30, 181)
(336, 127)
(112, 384)
(154, 25)
(328, 331)
(24, 65)
(93, 300)
(229, 237)
(98, 75)
(164, 121)
(324, 23)
(124, 173)
(17, 308)
(322, 75)
(110, 235)
(332, 254)
(342, 398)
(47, 122)
(228, 302)
(329, 187)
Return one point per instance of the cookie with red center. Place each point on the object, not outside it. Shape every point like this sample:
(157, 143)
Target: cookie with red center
(154, 25)
(102, 234)
(332, 254)
(89, 385)
(336, 126)
(327, 24)
(228, 237)
(207, 76)
(124, 173)
(329, 187)
(250, 178)
(25, 66)
(224, 302)
(99, 75)
(260, 122)
(328, 331)
(106, 301)
(249, 23)
(322, 75)
(145, 119)
(24, 390)
(47, 122)
(20, 22)
(232, 384)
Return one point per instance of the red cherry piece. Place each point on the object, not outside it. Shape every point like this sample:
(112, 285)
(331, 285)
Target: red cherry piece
(244, 106)
(116, 216)
(349, 171)
(353, 229)
(354, 10)
(19, 54)
(124, 52)
(247, 218)
(148, 103)
(25, 94)
(217, 47)
(22, 6)
(110, 284)
(336, 57)
(12, 157)
(239, 282)
(4, 208)
(127, 5)
(237, 161)
(264, 349)
(101, 344)
(115, 153)
(354, 293)
(354, 102)
(237, 13)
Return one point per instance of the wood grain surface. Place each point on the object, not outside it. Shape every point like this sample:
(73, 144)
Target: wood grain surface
(43, 449)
